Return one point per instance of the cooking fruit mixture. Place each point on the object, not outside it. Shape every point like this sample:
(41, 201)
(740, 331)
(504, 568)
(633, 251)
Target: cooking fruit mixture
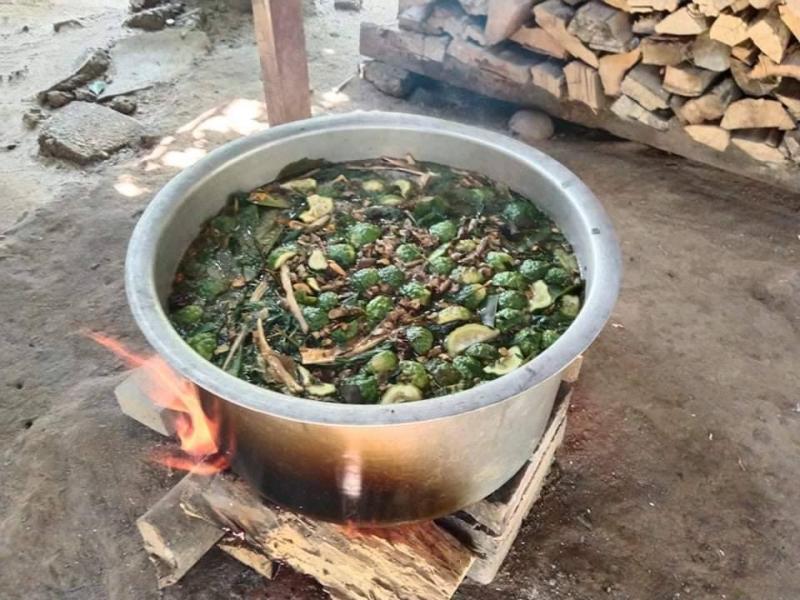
(377, 281)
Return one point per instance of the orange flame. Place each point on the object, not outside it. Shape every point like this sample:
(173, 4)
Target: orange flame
(197, 431)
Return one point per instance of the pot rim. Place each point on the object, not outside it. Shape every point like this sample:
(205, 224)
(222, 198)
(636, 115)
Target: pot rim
(152, 320)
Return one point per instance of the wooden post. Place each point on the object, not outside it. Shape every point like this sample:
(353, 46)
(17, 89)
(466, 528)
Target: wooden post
(284, 65)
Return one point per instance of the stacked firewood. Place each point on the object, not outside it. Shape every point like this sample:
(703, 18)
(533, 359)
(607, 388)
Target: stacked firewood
(726, 71)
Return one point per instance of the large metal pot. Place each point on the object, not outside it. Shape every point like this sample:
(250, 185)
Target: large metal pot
(374, 464)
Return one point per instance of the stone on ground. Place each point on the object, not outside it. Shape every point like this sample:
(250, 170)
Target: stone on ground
(123, 104)
(389, 79)
(531, 125)
(84, 132)
(57, 99)
(154, 19)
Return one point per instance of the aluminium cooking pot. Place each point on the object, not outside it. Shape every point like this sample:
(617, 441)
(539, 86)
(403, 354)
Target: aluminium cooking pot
(374, 464)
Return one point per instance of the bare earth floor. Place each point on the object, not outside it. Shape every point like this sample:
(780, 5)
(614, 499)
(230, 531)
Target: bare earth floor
(679, 476)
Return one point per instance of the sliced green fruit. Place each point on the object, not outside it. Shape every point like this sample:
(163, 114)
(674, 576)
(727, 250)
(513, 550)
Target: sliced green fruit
(569, 305)
(541, 296)
(404, 186)
(280, 255)
(318, 207)
(453, 313)
(321, 389)
(401, 392)
(372, 185)
(300, 185)
(507, 363)
(463, 337)
(317, 260)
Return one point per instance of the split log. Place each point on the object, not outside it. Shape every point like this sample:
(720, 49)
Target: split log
(554, 16)
(762, 4)
(665, 50)
(417, 562)
(770, 35)
(449, 18)
(478, 8)
(583, 85)
(684, 21)
(135, 403)
(622, 5)
(729, 29)
(412, 14)
(549, 75)
(627, 108)
(755, 113)
(710, 106)
(507, 63)
(788, 93)
(745, 52)
(247, 555)
(602, 27)
(739, 5)
(687, 80)
(710, 54)
(760, 144)
(643, 84)
(648, 6)
(767, 69)
(504, 18)
(538, 40)
(790, 15)
(646, 24)
(710, 135)
(613, 68)
(676, 104)
(749, 84)
(790, 146)
(712, 8)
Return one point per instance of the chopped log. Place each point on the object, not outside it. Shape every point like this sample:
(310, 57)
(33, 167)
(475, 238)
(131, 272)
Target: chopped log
(627, 108)
(643, 84)
(710, 54)
(770, 35)
(646, 24)
(711, 135)
(417, 562)
(622, 5)
(710, 106)
(602, 27)
(173, 540)
(505, 17)
(740, 5)
(648, 6)
(684, 21)
(583, 85)
(760, 144)
(412, 14)
(554, 16)
(665, 50)
(745, 52)
(687, 80)
(729, 29)
(755, 113)
(749, 84)
(511, 64)
(538, 40)
(676, 104)
(476, 8)
(762, 4)
(788, 92)
(549, 75)
(790, 146)
(712, 8)
(613, 68)
(767, 69)
(246, 555)
(790, 15)
(449, 18)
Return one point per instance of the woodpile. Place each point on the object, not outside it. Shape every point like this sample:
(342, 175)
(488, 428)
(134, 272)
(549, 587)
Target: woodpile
(723, 72)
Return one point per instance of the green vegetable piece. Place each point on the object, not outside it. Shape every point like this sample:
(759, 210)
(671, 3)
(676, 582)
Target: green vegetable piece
(404, 185)
(383, 362)
(471, 295)
(305, 298)
(569, 306)
(441, 265)
(499, 261)
(549, 337)
(211, 287)
(363, 279)
(327, 300)
(344, 334)
(482, 352)
(465, 246)
(342, 254)
(414, 373)
(463, 337)
(510, 319)
(362, 234)
(399, 392)
(204, 343)
(390, 200)
(453, 313)
(408, 252)
(300, 185)
(321, 389)
(378, 308)
(224, 223)
(533, 270)
(444, 230)
(372, 186)
(507, 363)
(416, 291)
(440, 251)
(443, 373)
(467, 275)
(268, 200)
(280, 255)
(541, 297)
(316, 317)
(468, 367)
(521, 214)
(529, 341)
(392, 276)
(512, 299)
(421, 339)
(317, 260)
(313, 284)
(361, 388)
(567, 260)
(188, 315)
(509, 279)
(558, 277)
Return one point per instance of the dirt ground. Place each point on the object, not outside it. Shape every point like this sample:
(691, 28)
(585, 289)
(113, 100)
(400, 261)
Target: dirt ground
(679, 476)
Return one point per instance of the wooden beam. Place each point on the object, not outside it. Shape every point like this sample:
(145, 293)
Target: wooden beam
(284, 66)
